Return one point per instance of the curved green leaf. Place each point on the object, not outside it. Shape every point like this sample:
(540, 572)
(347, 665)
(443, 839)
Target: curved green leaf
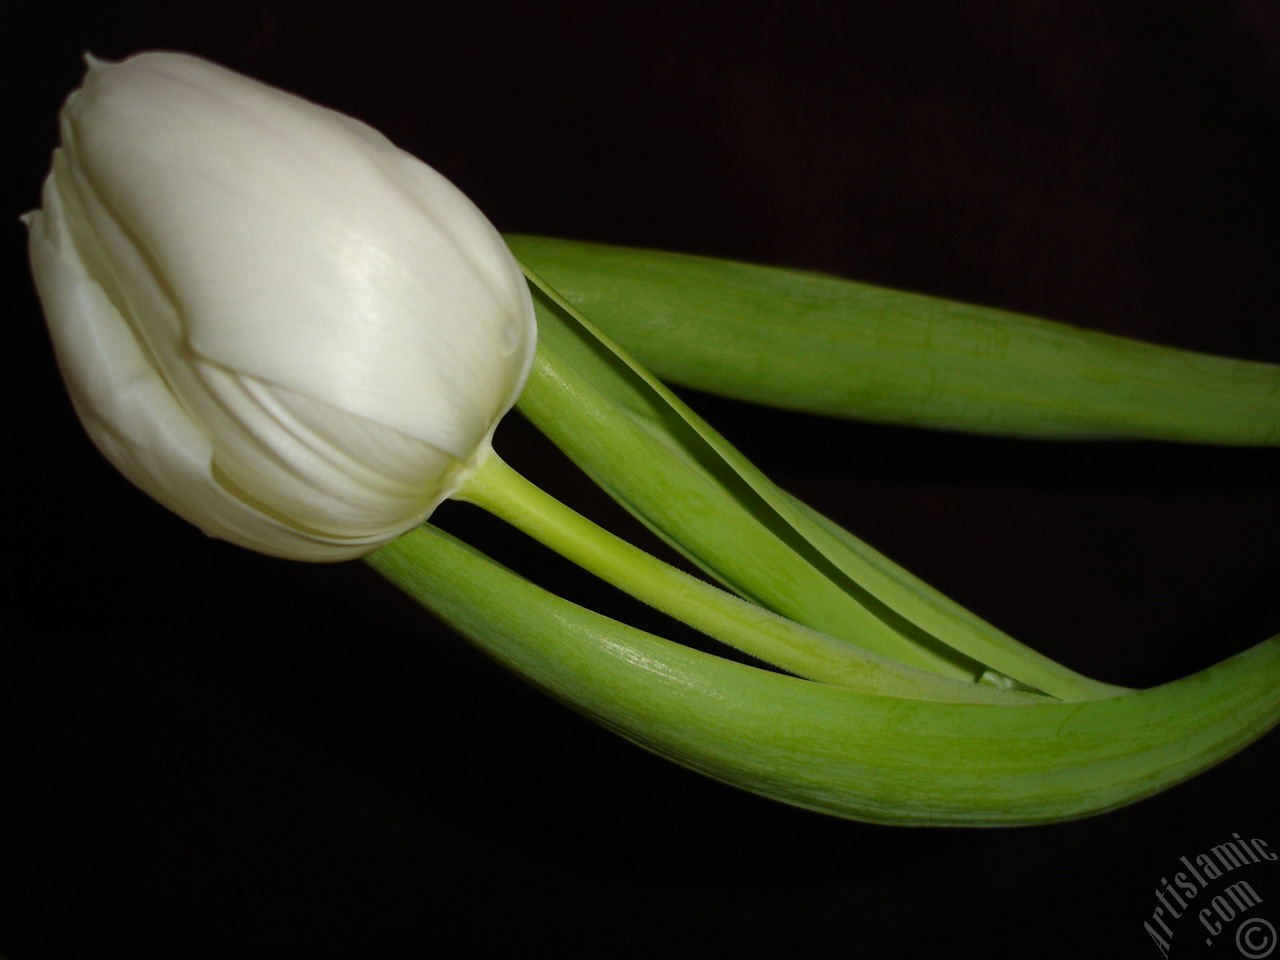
(819, 344)
(840, 751)
(654, 455)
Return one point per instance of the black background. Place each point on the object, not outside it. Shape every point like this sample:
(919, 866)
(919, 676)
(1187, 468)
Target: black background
(206, 753)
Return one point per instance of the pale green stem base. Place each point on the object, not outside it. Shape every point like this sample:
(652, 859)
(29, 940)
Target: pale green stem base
(500, 490)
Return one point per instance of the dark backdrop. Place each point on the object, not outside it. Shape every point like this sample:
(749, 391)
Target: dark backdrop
(208, 754)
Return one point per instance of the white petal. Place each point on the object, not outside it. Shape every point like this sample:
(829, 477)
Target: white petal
(269, 317)
(130, 414)
(306, 250)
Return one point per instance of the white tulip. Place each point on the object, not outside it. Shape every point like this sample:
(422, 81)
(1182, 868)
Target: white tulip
(270, 318)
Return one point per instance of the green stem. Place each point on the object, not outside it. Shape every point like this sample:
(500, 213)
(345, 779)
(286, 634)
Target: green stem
(497, 488)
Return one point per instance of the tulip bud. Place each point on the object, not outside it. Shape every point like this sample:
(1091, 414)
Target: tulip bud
(269, 318)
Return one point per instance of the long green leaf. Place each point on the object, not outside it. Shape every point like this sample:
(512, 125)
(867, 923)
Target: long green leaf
(815, 343)
(836, 750)
(654, 455)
